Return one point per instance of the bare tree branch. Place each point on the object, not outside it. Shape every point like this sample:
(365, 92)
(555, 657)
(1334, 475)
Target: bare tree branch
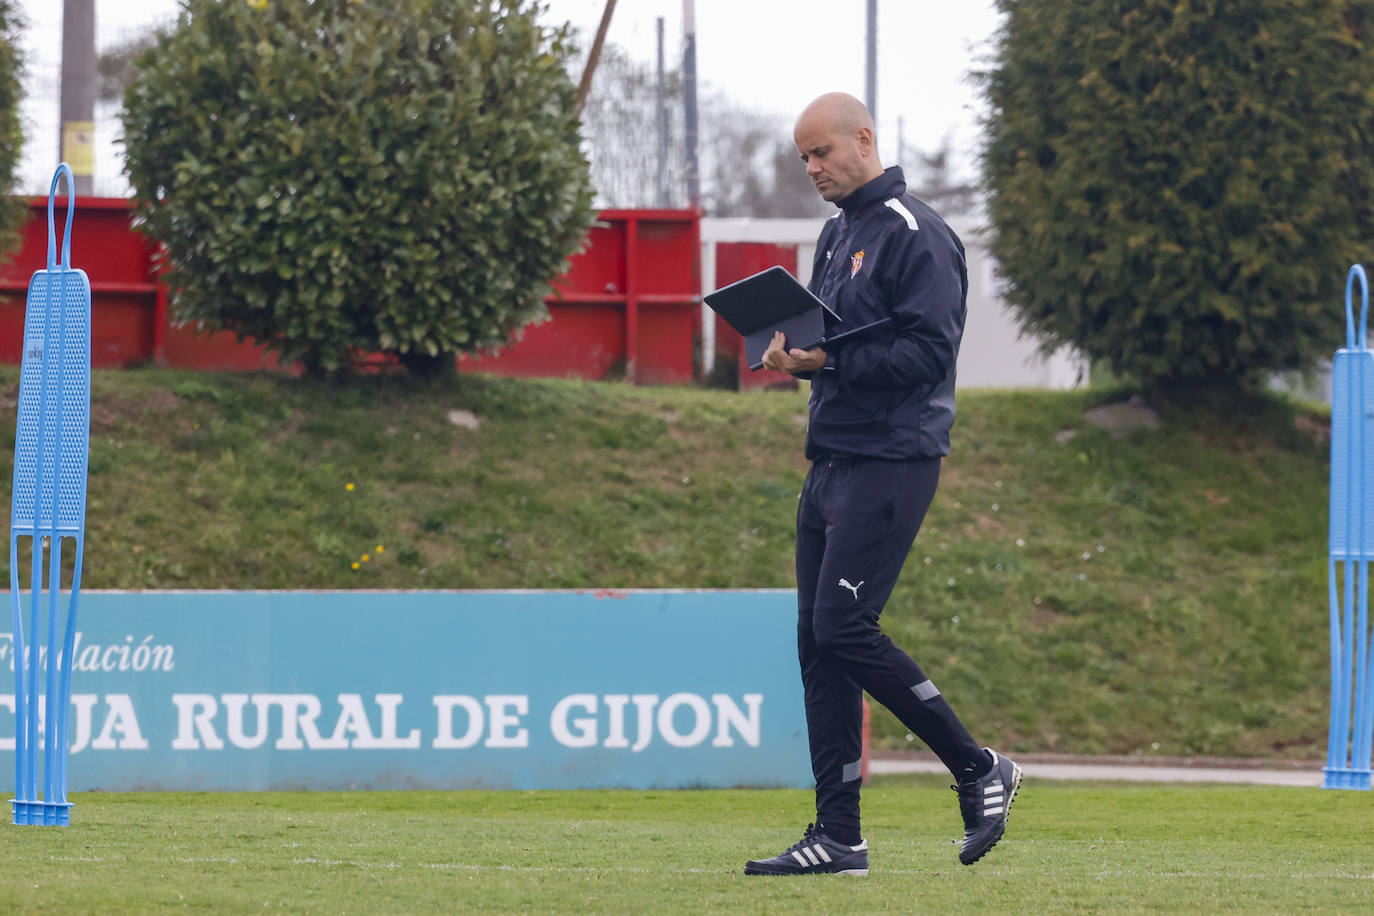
(589, 70)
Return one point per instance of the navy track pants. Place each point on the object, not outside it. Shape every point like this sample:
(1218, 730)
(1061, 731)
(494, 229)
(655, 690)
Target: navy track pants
(855, 525)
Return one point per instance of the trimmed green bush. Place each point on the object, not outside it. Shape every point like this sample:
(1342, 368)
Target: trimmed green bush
(11, 132)
(1178, 188)
(335, 178)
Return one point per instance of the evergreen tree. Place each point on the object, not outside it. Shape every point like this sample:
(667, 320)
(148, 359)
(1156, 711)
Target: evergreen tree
(1176, 187)
(341, 178)
(12, 210)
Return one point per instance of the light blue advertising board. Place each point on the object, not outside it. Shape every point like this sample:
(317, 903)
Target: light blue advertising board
(432, 690)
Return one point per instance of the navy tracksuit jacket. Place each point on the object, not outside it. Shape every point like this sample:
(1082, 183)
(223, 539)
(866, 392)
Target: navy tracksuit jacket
(880, 416)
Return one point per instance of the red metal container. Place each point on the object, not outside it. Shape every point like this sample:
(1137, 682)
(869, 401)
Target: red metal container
(628, 305)
(117, 260)
(735, 261)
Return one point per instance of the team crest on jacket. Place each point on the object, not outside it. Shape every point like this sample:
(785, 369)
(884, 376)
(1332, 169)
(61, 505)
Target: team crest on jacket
(855, 262)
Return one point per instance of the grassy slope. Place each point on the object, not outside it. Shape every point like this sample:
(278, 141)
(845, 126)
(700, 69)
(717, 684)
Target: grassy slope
(1086, 848)
(1161, 593)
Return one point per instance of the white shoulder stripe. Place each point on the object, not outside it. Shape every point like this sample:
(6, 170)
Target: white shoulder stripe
(898, 207)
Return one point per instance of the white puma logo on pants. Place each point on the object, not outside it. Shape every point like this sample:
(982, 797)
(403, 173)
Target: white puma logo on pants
(853, 588)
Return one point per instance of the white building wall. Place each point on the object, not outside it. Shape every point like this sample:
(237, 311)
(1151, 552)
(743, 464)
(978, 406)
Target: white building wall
(993, 354)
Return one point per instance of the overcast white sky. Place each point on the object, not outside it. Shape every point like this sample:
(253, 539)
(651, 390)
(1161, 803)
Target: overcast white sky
(770, 55)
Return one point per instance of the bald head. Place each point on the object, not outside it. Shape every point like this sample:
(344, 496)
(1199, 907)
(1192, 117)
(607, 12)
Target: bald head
(834, 137)
(837, 111)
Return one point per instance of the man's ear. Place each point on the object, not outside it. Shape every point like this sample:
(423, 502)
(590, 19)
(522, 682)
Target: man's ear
(864, 138)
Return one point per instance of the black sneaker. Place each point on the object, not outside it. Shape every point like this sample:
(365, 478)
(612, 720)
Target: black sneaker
(814, 854)
(985, 804)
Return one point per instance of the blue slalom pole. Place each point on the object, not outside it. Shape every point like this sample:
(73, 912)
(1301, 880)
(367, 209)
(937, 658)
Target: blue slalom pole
(36, 564)
(55, 712)
(1343, 472)
(1355, 633)
(64, 698)
(52, 442)
(1352, 700)
(1333, 729)
(1359, 737)
(1363, 710)
(1354, 428)
(21, 706)
(46, 478)
(1347, 662)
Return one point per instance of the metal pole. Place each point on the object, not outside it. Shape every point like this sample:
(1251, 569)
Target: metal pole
(871, 62)
(661, 174)
(77, 130)
(689, 99)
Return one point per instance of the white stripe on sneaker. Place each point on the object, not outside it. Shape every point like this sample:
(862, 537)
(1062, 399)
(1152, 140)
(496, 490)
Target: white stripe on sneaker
(800, 861)
(995, 787)
(820, 851)
(806, 851)
(997, 810)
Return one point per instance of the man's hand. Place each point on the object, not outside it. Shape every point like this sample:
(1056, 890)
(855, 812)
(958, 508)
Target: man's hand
(784, 360)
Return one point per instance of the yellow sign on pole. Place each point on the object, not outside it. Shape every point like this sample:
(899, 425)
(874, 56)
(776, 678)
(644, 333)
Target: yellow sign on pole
(78, 146)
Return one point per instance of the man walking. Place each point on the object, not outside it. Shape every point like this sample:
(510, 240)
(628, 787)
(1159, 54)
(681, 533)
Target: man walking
(882, 404)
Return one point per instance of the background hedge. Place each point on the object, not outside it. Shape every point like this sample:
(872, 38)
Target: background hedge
(1177, 188)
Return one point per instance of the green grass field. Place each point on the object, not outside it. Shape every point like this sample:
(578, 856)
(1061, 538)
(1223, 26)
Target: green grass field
(1070, 847)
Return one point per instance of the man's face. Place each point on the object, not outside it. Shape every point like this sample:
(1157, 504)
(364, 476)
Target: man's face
(834, 160)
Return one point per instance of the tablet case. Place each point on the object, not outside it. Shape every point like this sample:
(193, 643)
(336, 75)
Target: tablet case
(770, 301)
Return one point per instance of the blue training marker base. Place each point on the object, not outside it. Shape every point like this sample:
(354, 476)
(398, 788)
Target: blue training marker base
(1339, 778)
(42, 813)
(51, 445)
